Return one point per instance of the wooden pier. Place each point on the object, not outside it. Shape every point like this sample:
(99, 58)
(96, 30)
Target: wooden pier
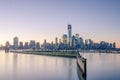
(82, 64)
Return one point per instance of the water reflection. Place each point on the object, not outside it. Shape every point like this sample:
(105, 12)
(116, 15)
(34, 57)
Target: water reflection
(101, 66)
(15, 66)
(35, 67)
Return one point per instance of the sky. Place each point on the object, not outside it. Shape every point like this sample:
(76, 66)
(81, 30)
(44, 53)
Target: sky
(98, 20)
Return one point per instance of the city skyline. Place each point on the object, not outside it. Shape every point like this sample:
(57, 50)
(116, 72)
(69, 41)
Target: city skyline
(44, 19)
(67, 42)
(65, 39)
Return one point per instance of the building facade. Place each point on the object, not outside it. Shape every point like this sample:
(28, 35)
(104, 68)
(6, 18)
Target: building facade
(32, 44)
(15, 43)
(64, 39)
(70, 34)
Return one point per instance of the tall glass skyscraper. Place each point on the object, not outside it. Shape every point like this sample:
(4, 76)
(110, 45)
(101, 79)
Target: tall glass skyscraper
(15, 42)
(56, 41)
(64, 38)
(69, 34)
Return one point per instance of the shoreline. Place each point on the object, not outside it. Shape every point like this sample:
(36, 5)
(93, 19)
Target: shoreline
(57, 54)
(69, 54)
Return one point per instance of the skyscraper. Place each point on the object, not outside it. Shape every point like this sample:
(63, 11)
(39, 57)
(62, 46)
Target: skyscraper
(81, 41)
(64, 39)
(59, 41)
(77, 35)
(7, 44)
(56, 41)
(38, 45)
(73, 41)
(77, 40)
(69, 34)
(21, 45)
(32, 44)
(26, 45)
(15, 42)
(114, 45)
(45, 44)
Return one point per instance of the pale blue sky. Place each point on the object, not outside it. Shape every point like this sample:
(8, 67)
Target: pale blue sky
(46, 19)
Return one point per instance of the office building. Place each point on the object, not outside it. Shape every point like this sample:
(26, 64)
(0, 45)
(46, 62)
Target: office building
(45, 44)
(21, 45)
(15, 43)
(64, 39)
(7, 44)
(26, 45)
(114, 45)
(56, 41)
(81, 41)
(73, 41)
(60, 41)
(37, 45)
(32, 44)
(69, 34)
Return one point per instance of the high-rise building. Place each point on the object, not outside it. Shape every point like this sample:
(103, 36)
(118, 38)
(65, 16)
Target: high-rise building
(59, 41)
(69, 34)
(110, 45)
(77, 40)
(103, 45)
(81, 41)
(64, 39)
(32, 44)
(45, 44)
(88, 41)
(56, 41)
(77, 35)
(38, 45)
(15, 42)
(114, 45)
(26, 45)
(7, 44)
(21, 45)
(73, 41)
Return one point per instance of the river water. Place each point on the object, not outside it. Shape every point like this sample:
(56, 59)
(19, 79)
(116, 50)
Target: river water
(103, 66)
(14, 66)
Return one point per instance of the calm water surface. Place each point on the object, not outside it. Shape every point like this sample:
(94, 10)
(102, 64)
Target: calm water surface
(15, 66)
(103, 66)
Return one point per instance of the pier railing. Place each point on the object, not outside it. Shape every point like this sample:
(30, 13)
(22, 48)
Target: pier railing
(82, 63)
